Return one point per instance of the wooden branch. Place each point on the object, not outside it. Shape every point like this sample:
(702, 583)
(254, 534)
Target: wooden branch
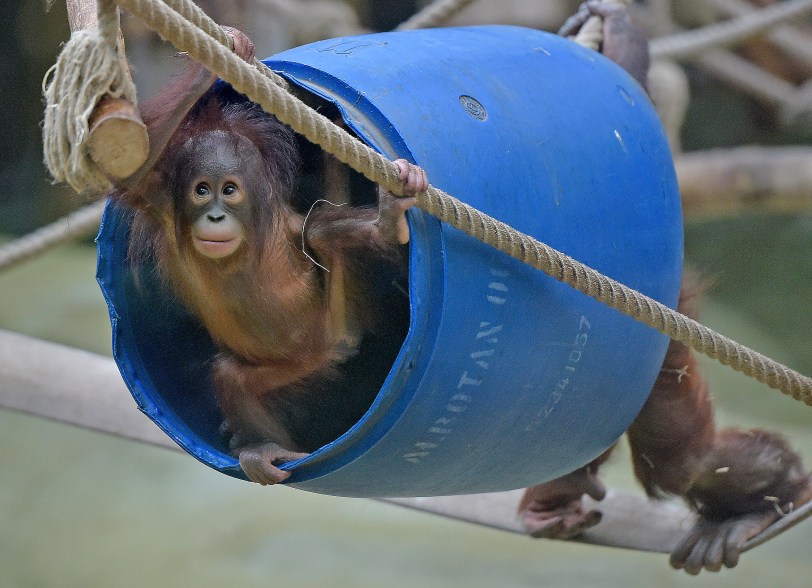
(727, 182)
(71, 386)
(117, 141)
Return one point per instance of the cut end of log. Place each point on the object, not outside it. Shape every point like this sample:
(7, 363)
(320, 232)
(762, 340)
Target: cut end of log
(118, 142)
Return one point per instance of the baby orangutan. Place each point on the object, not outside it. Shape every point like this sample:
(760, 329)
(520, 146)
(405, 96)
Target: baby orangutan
(737, 481)
(291, 300)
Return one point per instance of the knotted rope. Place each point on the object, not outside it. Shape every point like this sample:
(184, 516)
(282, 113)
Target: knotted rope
(319, 130)
(89, 67)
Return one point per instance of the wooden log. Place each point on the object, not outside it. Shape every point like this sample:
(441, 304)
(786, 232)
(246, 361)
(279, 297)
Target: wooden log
(117, 141)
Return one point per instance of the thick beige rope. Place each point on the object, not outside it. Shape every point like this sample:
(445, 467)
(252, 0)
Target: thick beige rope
(433, 15)
(377, 168)
(88, 68)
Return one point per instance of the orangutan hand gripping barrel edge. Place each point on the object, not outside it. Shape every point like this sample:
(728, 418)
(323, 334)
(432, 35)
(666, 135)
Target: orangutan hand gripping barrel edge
(738, 481)
(289, 298)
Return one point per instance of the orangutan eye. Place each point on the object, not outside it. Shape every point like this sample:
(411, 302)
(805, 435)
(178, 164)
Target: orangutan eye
(232, 193)
(202, 189)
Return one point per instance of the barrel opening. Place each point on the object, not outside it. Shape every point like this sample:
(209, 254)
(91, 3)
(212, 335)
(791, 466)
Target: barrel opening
(171, 352)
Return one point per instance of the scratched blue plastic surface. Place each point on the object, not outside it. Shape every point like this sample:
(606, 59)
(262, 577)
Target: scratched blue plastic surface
(507, 378)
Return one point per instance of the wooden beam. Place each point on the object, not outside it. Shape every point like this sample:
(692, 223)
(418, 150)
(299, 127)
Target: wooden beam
(84, 389)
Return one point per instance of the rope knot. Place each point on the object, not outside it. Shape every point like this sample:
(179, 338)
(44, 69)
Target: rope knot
(88, 68)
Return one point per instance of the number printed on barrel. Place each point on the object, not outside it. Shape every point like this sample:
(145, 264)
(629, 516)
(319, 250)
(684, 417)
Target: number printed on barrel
(569, 369)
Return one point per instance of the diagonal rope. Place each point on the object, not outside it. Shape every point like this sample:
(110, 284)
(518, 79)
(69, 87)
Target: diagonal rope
(80, 223)
(378, 169)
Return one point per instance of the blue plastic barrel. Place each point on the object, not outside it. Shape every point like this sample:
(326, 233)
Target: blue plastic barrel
(506, 378)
